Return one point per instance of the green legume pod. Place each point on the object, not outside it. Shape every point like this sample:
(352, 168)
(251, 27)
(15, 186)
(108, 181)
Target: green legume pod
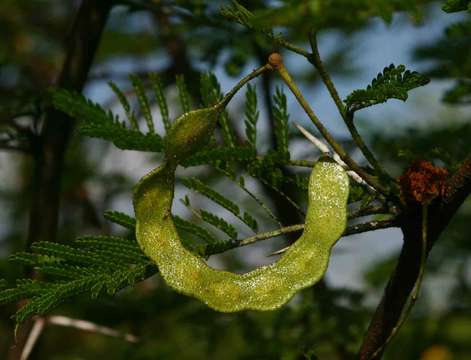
(265, 288)
(191, 132)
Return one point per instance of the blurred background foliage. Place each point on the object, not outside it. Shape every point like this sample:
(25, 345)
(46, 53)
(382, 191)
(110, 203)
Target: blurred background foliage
(188, 37)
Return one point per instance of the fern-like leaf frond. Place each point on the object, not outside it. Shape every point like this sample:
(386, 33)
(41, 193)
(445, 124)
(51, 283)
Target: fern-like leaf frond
(393, 83)
(281, 118)
(237, 13)
(160, 98)
(251, 115)
(214, 156)
(94, 121)
(219, 223)
(183, 93)
(91, 265)
(125, 104)
(197, 185)
(143, 101)
(121, 219)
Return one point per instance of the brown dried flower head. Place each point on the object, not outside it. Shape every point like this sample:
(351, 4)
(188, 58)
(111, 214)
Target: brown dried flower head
(423, 182)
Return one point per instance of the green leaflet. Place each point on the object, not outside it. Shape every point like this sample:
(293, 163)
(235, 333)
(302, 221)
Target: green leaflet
(393, 83)
(265, 288)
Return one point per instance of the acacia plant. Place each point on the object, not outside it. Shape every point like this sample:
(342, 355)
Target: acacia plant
(421, 202)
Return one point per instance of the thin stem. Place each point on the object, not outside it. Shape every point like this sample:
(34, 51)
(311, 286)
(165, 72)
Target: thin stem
(242, 82)
(357, 138)
(325, 133)
(270, 234)
(292, 47)
(351, 230)
(316, 60)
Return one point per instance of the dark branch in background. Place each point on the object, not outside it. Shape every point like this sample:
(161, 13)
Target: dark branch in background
(49, 149)
(405, 275)
(82, 43)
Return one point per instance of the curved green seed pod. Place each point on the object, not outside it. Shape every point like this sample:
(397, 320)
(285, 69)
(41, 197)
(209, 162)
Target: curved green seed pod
(265, 288)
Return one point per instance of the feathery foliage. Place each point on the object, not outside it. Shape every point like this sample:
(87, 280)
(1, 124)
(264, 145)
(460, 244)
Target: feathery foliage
(125, 104)
(95, 265)
(120, 218)
(199, 231)
(251, 115)
(281, 118)
(143, 102)
(219, 223)
(393, 83)
(209, 89)
(94, 121)
(160, 98)
(183, 93)
(197, 185)
(239, 14)
(215, 156)
(91, 265)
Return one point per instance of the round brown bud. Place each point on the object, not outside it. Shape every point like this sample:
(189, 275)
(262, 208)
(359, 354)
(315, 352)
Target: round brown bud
(275, 60)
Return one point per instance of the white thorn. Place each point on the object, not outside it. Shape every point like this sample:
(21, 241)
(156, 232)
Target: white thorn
(317, 142)
(326, 151)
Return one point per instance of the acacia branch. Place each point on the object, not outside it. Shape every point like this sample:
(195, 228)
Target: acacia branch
(406, 273)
